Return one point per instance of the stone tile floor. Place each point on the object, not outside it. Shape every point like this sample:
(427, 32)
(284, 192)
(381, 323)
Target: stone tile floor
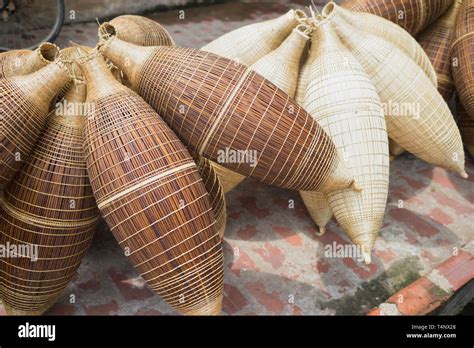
(275, 264)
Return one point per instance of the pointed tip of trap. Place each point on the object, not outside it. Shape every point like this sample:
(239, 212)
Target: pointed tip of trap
(322, 230)
(464, 174)
(356, 187)
(366, 252)
(367, 257)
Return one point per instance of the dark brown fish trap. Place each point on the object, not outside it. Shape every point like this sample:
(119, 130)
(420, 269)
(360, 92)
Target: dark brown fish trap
(466, 127)
(151, 195)
(412, 15)
(49, 206)
(462, 56)
(141, 31)
(24, 62)
(219, 107)
(436, 40)
(24, 103)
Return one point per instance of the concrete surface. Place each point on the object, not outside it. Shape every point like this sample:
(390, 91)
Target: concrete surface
(88, 10)
(275, 264)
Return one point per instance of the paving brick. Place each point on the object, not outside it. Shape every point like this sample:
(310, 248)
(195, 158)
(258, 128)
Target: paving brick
(130, 286)
(270, 300)
(289, 236)
(102, 309)
(419, 298)
(234, 300)
(272, 254)
(458, 270)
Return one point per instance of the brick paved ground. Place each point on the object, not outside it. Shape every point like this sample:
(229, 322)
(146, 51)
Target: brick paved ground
(274, 262)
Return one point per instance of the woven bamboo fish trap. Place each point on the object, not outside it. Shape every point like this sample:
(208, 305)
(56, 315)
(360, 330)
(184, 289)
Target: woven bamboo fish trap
(24, 62)
(216, 192)
(418, 118)
(24, 102)
(228, 178)
(412, 15)
(341, 98)
(393, 33)
(216, 106)
(319, 209)
(436, 40)
(462, 56)
(280, 67)
(249, 43)
(304, 76)
(141, 31)
(145, 32)
(394, 149)
(149, 192)
(49, 205)
(466, 126)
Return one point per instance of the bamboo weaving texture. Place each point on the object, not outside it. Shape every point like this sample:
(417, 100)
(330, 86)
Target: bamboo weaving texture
(318, 208)
(216, 192)
(24, 102)
(215, 105)
(418, 118)
(141, 31)
(24, 62)
(466, 126)
(462, 56)
(149, 192)
(411, 15)
(436, 40)
(280, 67)
(342, 99)
(50, 205)
(248, 44)
(145, 32)
(393, 33)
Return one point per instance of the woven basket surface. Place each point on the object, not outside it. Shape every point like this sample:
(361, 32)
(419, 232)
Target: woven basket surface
(418, 118)
(318, 208)
(342, 99)
(436, 40)
(249, 43)
(24, 101)
(24, 62)
(141, 31)
(49, 204)
(150, 194)
(466, 126)
(281, 66)
(463, 53)
(412, 15)
(228, 178)
(394, 148)
(216, 105)
(216, 192)
(394, 34)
